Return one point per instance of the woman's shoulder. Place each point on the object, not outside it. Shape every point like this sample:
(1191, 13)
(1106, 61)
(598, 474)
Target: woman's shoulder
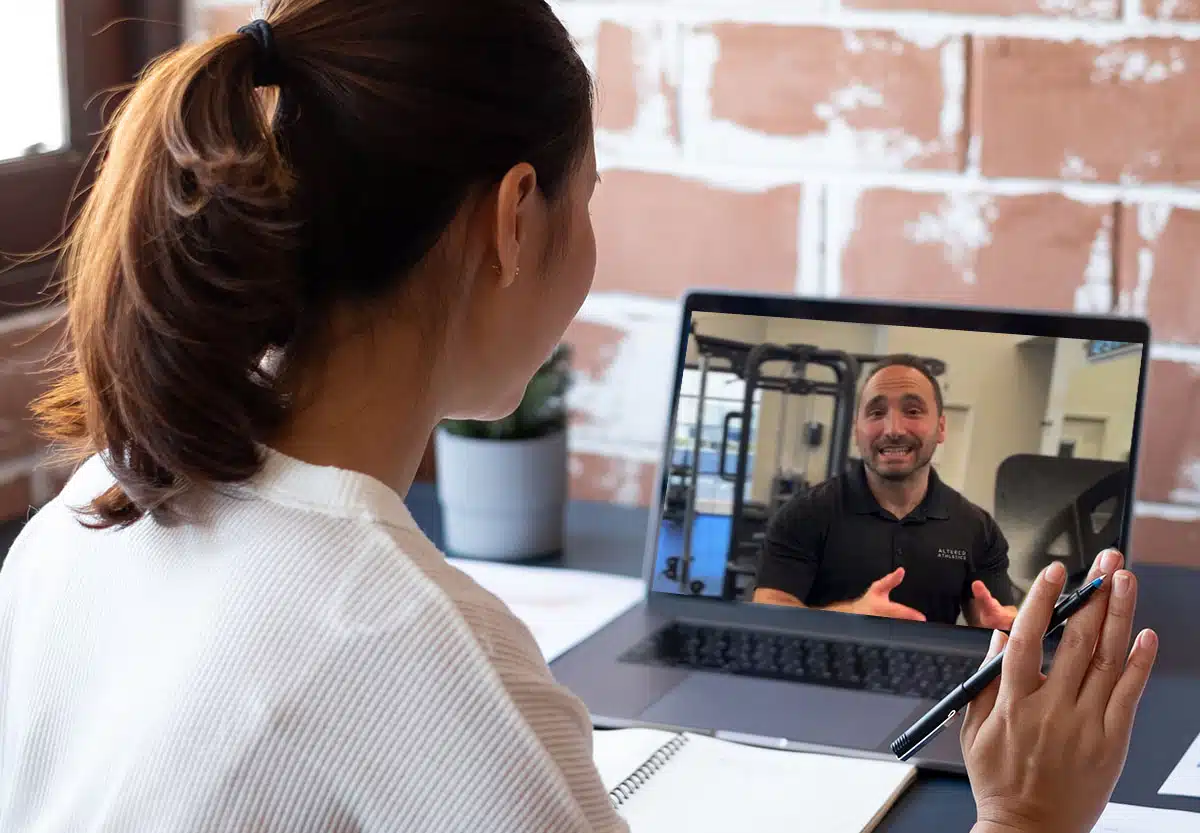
(387, 581)
(502, 635)
(89, 478)
(405, 610)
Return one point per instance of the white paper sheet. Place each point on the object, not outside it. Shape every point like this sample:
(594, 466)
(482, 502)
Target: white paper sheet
(1185, 778)
(560, 607)
(1126, 818)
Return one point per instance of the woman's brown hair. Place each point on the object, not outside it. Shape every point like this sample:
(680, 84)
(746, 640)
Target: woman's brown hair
(225, 221)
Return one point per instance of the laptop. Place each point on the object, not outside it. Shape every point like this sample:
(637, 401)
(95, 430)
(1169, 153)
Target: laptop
(800, 434)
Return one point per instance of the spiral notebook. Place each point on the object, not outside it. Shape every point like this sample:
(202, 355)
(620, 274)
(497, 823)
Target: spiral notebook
(667, 781)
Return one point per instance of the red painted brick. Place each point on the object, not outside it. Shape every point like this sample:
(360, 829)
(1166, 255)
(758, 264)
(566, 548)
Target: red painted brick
(630, 78)
(1025, 251)
(1170, 436)
(797, 81)
(658, 234)
(1156, 271)
(616, 77)
(1162, 541)
(670, 94)
(1171, 9)
(1067, 9)
(23, 376)
(594, 346)
(1117, 112)
(610, 480)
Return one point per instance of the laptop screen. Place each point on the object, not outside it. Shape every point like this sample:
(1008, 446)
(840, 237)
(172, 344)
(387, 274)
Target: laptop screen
(906, 472)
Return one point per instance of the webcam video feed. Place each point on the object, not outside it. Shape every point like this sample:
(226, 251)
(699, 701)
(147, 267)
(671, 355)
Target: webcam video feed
(909, 473)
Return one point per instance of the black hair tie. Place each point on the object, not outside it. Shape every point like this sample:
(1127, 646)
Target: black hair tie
(266, 58)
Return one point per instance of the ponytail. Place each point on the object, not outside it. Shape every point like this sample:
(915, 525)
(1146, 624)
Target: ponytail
(179, 277)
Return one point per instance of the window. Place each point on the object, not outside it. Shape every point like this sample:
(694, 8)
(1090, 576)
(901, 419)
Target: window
(58, 59)
(31, 39)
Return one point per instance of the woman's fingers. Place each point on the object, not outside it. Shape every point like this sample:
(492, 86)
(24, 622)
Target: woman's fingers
(1080, 635)
(1112, 648)
(1022, 672)
(1127, 693)
(983, 704)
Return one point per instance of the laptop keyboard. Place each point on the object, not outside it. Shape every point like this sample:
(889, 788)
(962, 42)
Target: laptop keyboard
(803, 659)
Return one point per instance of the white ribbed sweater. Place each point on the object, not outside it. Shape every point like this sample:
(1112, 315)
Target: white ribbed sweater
(301, 658)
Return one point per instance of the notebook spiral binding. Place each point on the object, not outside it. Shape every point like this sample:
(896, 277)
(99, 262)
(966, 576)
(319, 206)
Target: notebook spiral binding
(625, 790)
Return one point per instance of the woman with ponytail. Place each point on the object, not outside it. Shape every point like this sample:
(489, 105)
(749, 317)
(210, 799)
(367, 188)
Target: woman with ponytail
(308, 243)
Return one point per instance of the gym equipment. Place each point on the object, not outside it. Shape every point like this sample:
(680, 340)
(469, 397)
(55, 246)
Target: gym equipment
(749, 518)
(748, 526)
(1058, 509)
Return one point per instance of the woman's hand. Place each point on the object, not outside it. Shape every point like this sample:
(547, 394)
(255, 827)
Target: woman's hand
(1044, 751)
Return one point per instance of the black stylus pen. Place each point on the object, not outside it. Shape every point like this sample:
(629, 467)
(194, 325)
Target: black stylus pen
(934, 720)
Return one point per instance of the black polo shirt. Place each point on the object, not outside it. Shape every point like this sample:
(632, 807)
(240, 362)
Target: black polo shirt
(829, 544)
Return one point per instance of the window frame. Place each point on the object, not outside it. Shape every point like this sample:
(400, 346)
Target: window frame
(104, 43)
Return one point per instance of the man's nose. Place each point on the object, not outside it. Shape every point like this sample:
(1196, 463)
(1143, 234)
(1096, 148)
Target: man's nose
(892, 424)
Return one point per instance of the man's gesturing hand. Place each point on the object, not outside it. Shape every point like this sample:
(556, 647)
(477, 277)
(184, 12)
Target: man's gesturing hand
(875, 601)
(989, 613)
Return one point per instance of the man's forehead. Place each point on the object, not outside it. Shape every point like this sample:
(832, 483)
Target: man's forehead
(897, 380)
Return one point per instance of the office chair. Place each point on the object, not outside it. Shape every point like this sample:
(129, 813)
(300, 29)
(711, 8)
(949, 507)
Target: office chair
(1058, 509)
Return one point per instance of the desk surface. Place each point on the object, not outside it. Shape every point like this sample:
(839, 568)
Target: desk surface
(609, 538)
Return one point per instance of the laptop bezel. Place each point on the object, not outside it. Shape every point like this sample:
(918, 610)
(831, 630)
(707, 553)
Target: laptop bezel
(872, 312)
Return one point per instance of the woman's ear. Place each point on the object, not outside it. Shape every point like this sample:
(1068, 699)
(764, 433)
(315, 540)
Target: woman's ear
(515, 200)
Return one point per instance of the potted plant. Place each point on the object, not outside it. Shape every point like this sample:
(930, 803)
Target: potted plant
(502, 484)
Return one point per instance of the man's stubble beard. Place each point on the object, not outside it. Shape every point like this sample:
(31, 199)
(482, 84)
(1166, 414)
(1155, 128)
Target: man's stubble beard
(924, 459)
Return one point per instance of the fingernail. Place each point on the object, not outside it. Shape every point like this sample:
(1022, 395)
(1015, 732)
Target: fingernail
(1120, 584)
(997, 641)
(1055, 573)
(1110, 561)
(1149, 640)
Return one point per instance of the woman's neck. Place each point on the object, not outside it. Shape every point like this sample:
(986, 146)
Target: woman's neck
(363, 410)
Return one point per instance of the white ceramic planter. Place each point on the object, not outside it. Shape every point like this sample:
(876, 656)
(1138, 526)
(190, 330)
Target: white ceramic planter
(502, 500)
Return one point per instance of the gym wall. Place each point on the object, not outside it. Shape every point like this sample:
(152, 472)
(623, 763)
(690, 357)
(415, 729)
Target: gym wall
(1004, 395)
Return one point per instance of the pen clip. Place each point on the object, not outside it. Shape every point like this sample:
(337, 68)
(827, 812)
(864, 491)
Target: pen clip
(932, 734)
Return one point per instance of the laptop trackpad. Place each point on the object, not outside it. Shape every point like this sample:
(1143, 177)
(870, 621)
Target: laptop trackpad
(798, 712)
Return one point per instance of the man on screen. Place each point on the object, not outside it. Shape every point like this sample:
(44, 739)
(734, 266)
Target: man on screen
(890, 538)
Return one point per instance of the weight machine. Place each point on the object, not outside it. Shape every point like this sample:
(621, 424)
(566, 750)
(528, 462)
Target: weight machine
(749, 518)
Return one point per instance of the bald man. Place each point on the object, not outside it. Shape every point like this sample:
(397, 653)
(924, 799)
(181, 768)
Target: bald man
(890, 538)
